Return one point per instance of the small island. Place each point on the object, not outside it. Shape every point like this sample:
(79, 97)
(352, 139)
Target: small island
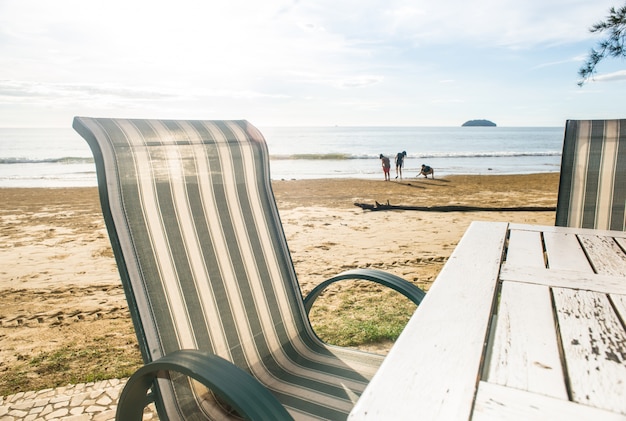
(479, 123)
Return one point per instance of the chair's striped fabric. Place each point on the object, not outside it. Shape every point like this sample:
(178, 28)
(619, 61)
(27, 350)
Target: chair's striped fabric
(592, 188)
(205, 264)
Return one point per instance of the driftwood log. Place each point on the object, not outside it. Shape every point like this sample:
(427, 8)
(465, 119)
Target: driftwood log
(454, 208)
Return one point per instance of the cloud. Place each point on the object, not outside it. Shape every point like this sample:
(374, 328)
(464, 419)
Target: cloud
(42, 90)
(61, 92)
(610, 77)
(575, 59)
(506, 23)
(360, 81)
(448, 101)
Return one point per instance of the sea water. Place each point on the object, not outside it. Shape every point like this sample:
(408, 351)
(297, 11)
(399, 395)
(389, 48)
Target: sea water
(59, 157)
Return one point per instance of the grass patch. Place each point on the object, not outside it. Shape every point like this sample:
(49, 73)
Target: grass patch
(374, 315)
(91, 361)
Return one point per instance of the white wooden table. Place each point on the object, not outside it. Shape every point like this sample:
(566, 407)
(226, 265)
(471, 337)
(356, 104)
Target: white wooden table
(523, 322)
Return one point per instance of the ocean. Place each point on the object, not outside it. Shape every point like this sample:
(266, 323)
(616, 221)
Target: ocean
(59, 157)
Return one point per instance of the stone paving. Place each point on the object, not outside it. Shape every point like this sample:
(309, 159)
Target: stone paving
(80, 402)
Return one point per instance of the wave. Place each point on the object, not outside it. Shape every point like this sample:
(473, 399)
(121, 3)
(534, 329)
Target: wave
(503, 154)
(316, 156)
(73, 160)
(62, 160)
(346, 156)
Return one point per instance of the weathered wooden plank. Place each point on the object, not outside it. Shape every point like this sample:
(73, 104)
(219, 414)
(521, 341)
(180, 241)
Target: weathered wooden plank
(497, 403)
(564, 252)
(594, 345)
(564, 278)
(619, 301)
(525, 353)
(605, 255)
(433, 368)
(525, 249)
(544, 229)
(621, 242)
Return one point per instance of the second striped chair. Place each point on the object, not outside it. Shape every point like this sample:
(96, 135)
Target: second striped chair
(592, 188)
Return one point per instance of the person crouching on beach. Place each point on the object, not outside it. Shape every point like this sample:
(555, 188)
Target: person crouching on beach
(427, 170)
(386, 166)
(399, 163)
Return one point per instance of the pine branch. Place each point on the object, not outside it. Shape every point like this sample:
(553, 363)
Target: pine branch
(612, 46)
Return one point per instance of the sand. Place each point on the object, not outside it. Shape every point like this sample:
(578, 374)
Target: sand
(59, 283)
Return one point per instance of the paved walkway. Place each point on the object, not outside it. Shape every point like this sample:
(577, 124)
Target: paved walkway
(80, 402)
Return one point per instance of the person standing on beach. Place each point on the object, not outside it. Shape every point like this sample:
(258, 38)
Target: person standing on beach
(386, 166)
(399, 163)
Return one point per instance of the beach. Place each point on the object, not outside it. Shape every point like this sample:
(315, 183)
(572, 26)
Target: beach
(60, 290)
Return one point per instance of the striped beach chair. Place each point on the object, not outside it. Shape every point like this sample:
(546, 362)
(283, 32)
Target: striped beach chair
(592, 187)
(220, 319)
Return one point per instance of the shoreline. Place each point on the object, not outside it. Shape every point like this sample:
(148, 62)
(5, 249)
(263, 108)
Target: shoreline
(60, 286)
(34, 175)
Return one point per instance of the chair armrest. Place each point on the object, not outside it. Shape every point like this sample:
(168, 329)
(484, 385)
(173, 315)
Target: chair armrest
(387, 279)
(236, 387)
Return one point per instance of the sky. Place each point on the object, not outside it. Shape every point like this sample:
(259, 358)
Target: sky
(305, 62)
